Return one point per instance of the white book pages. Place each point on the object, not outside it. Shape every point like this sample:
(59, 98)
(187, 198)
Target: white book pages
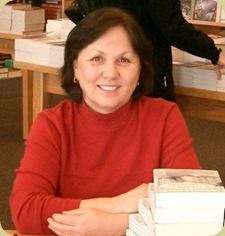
(188, 229)
(137, 225)
(183, 214)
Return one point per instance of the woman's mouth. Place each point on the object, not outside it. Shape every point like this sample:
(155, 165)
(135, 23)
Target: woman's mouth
(108, 87)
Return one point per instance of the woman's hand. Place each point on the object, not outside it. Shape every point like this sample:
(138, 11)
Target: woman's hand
(100, 216)
(88, 222)
(128, 202)
(124, 203)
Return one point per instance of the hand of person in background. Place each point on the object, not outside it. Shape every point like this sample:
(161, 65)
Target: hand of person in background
(220, 65)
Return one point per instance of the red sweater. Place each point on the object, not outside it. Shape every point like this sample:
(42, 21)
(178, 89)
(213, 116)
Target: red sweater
(73, 153)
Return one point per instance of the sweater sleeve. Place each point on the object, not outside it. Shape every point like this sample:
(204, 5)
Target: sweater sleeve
(168, 18)
(34, 196)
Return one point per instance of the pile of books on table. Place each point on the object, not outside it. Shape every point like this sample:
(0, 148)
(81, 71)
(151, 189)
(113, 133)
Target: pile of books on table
(28, 21)
(180, 202)
(47, 50)
(22, 19)
(6, 15)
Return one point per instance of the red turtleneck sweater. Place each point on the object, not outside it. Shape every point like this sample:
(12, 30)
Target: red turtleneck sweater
(73, 153)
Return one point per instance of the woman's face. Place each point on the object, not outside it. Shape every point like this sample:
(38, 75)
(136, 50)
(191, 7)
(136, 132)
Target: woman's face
(108, 71)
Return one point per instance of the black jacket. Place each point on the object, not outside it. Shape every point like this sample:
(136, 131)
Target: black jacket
(164, 26)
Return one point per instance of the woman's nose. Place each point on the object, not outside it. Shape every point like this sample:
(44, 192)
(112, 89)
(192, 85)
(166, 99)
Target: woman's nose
(110, 70)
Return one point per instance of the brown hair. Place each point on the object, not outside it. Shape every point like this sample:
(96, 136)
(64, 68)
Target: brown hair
(92, 27)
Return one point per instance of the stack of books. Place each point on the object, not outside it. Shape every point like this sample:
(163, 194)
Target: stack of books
(180, 202)
(59, 28)
(6, 15)
(41, 51)
(28, 21)
(184, 73)
(52, 10)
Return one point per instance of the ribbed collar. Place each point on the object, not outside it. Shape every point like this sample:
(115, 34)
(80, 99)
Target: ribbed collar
(115, 119)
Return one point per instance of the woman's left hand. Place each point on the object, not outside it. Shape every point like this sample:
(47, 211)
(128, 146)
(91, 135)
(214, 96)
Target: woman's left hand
(88, 222)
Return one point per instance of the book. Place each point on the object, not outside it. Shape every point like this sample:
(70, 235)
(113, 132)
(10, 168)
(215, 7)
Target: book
(187, 9)
(138, 226)
(206, 10)
(3, 69)
(28, 16)
(190, 187)
(129, 232)
(144, 209)
(180, 214)
(188, 229)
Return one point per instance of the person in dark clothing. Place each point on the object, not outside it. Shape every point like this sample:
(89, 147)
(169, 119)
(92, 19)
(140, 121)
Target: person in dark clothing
(164, 25)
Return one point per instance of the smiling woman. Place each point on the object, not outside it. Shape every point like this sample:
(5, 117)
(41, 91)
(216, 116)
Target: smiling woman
(108, 71)
(88, 160)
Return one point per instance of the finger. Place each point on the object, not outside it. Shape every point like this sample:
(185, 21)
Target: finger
(63, 230)
(74, 212)
(218, 72)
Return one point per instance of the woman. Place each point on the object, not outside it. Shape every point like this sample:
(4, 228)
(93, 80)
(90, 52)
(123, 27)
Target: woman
(88, 160)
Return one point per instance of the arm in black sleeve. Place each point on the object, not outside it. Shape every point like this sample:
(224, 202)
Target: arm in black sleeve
(168, 18)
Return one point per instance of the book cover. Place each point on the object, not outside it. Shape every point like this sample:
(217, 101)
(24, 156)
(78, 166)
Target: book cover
(190, 187)
(205, 10)
(187, 9)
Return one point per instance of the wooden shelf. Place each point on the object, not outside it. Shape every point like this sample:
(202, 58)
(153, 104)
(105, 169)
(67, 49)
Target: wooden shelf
(207, 23)
(36, 67)
(200, 93)
(11, 74)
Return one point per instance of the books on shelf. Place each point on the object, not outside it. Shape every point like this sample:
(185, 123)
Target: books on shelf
(187, 9)
(6, 15)
(59, 28)
(206, 10)
(52, 11)
(222, 15)
(11, 73)
(42, 51)
(28, 20)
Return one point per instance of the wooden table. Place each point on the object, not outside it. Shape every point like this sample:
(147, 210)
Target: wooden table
(203, 104)
(39, 80)
(14, 232)
(7, 45)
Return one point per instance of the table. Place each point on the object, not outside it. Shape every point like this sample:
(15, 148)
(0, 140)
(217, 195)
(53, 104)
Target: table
(14, 232)
(7, 45)
(39, 80)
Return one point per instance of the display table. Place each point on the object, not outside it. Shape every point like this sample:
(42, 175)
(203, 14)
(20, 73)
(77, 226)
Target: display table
(203, 104)
(15, 233)
(37, 82)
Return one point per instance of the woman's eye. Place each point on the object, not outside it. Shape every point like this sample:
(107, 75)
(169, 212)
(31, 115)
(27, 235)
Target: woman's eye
(96, 59)
(123, 59)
